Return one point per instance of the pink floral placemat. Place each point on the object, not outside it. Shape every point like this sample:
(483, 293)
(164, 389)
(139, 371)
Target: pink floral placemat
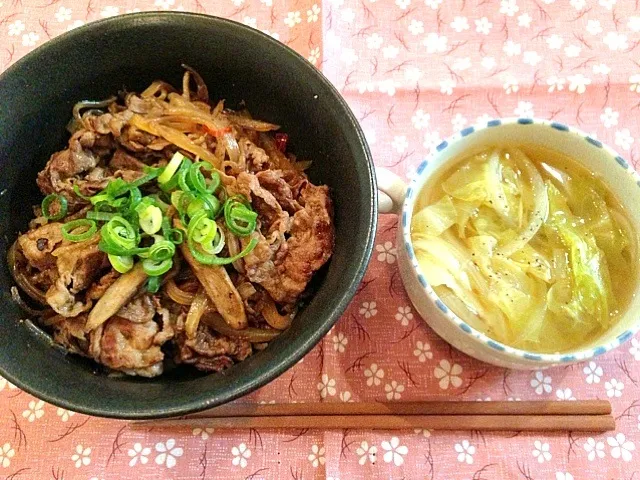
(413, 71)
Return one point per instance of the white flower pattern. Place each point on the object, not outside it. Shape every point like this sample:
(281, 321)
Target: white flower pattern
(82, 456)
(541, 451)
(7, 452)
(138, 453)
(366, 452)
(394, 390)
(448, 374)
(465, 451)
(316, 457)
(541, 383)
(394, 451)
(168, 453)
(241, 455)
(374, 375)
(594, 449)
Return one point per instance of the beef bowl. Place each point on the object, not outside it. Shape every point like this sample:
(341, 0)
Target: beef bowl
(243, 67)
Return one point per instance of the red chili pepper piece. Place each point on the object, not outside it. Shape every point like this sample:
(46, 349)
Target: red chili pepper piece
(281, 141)
(217, 133)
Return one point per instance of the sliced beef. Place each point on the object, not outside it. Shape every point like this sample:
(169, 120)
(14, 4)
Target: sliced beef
(37, 245)
(122, 160)
(63, 301)
(257, 158)
(209, 351)
(139, 310)
(274, 220)
(274, 182)
(130, 347)
(311, 242)
(83, 154)
(285, 272)
(79, 265)
(69, 332)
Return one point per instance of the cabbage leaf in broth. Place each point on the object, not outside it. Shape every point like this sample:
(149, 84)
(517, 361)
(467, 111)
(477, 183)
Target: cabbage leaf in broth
(525, 247)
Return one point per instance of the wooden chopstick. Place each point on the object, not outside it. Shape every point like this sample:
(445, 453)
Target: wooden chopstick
(586, 407)
(532, 423)
(579, 416)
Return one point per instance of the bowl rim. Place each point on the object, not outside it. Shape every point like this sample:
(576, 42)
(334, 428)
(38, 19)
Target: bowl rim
(417, 183)
(361, 258)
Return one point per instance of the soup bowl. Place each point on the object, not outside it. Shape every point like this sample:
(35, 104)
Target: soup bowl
(397, 197)
(239, 64)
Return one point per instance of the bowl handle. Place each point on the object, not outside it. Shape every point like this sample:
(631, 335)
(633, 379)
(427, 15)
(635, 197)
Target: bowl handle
(392, 191)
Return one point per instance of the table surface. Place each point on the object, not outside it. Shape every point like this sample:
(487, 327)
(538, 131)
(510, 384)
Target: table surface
(413, 71)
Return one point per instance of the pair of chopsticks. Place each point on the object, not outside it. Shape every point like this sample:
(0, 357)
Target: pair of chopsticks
(536, 416)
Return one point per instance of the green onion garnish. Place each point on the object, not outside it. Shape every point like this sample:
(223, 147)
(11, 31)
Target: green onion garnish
(62, 206)
(69, 227)
(197, 181)
(213, 259)
(239, 217)
(171, 168)
(155, 269)
(150, 219)
(121, 264)
(118, 233)
(162, 250)
(153, 284)
(100, 216)
(130, 216)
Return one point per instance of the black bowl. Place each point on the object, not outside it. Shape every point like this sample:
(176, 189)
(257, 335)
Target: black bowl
(239, 64)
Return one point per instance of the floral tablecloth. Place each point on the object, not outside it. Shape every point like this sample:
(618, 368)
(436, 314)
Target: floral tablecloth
(413, 71)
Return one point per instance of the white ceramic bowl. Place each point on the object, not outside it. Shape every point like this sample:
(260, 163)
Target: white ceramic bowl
(397, 197)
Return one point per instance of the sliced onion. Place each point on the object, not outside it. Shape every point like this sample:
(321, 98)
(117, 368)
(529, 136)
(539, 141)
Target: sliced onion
(21, 279)
(90, 104)
(158, 86)
(174, 136)
(202, 92)
(178, 295)
(246, 290)
(280, 159)
(251, 124)
(495, 189)
(540, 207)
(233, 244)
(273, 317)
(253, 335)
(233, 150)
(199, 305)
(624, 224)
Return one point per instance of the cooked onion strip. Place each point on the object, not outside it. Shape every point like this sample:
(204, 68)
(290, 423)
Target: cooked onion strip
(233, 244)
(626, 227)
(540, 209)
(158, 87)
(20, 278)
(91, 104)
(178, 295)
(174, 136)
(251, 334)
(251, 124)
(202, 92)
(273, 317)
(198, 308)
